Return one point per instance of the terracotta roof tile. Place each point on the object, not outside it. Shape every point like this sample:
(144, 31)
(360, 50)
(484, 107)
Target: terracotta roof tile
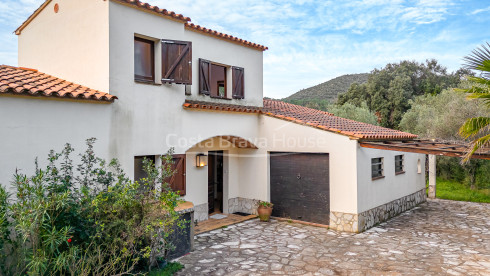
(155, 9)
(311, 117)
(220, 107)
(193, 27)
(24, 81)
(327, 121)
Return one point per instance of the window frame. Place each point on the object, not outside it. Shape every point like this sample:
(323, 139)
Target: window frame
(209, 79)
(138, 164)
(400, 168)
(140, 78)
(225, 82)
(379, 171)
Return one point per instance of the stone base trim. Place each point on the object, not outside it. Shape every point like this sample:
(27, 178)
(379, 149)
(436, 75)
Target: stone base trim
(344, 222)
(244, 205)
(201, 212)
(361, 222)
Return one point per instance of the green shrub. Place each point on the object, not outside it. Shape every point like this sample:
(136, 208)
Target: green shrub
(95, 223)
(169, 270)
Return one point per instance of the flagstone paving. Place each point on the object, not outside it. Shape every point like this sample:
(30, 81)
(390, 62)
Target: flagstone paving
(437, 237)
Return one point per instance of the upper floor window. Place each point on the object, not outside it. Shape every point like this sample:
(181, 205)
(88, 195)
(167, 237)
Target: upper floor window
(377, 168)
(399, 164)
(144, 60)
(213, 80)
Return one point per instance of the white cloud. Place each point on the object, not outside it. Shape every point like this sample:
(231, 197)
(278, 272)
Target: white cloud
(310, 41)
(477, 11)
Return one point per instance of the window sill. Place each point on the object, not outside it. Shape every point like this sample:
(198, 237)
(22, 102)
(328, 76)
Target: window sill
(397, 173)
(147, 82)
(221, 98)
(378, 177)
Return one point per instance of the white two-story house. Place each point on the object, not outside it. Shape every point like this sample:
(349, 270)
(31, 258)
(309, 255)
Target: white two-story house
(143, 80)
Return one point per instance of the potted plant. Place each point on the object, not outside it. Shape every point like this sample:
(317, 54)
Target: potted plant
(264, 210)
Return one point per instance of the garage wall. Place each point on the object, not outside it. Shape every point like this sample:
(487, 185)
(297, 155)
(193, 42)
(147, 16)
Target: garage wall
(285, 136)
(373, 193)
(31, 127)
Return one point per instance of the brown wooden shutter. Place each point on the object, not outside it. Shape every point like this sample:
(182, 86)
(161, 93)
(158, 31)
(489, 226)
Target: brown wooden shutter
(177, 181)
(176, 61)
(238, 83)
(204, 77)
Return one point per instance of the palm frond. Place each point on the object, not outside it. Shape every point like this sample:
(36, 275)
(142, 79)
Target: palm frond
(483, 142)
(474, 126)
(479, 60)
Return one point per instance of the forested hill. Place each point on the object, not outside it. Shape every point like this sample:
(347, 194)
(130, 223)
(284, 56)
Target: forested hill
(328, 90)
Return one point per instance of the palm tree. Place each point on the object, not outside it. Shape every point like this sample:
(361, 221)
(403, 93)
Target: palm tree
(478, 129)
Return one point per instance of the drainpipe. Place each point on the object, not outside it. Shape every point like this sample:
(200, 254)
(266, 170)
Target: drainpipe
(432, 176)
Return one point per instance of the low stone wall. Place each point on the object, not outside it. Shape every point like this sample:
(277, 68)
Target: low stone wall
(361, 222)
(244, 205)
(201, 212)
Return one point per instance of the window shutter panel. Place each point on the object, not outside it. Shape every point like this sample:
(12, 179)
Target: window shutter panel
(177, 181)
(177, 61)
(238, 83)
(204, 77)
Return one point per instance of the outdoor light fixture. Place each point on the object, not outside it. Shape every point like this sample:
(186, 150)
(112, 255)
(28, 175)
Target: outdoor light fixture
(201, 160)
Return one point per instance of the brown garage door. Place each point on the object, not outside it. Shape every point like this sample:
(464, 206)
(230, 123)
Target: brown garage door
(300, 186)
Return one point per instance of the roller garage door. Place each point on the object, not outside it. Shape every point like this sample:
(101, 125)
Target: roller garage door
(300, 186)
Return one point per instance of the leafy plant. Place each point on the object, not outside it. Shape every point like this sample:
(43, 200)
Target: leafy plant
(169, 270)
(266, 204)
(92, 222)
(478, 128)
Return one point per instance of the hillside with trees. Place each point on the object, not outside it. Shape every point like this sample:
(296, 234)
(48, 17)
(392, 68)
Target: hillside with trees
(389, 90)
(419, 98)
(328, 90)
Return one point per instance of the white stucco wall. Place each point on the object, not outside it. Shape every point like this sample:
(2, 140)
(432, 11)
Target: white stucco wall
(373, 193)
(31, 127)
(197, 177)
(91, 42)
(342, 153)
(146, 114)
(72, 44)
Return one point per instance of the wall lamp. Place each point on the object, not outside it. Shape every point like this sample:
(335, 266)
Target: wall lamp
(201, 160)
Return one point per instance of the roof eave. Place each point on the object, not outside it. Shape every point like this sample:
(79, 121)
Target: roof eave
(31, 17)
(225, 37)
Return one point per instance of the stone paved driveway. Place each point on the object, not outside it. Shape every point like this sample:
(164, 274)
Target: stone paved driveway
(438, 237)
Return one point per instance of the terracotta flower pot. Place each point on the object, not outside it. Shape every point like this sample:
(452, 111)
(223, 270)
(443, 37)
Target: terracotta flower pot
(264, 212)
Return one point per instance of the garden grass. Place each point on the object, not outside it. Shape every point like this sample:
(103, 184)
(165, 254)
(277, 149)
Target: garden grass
(453, 190)
(169, 270)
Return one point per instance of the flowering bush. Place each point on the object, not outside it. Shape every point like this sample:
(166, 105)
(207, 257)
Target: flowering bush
(94, 221)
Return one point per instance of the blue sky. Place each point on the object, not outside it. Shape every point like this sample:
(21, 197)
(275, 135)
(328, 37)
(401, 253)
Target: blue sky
(311, 41)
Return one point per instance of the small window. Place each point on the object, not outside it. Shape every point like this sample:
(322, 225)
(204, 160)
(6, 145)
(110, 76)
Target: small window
(399, 164)
(144, 60)
(377, 168)
(419, 166)
(212, 79)
(139, 172)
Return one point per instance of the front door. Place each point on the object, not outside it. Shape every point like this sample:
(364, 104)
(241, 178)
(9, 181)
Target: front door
(215, 181)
